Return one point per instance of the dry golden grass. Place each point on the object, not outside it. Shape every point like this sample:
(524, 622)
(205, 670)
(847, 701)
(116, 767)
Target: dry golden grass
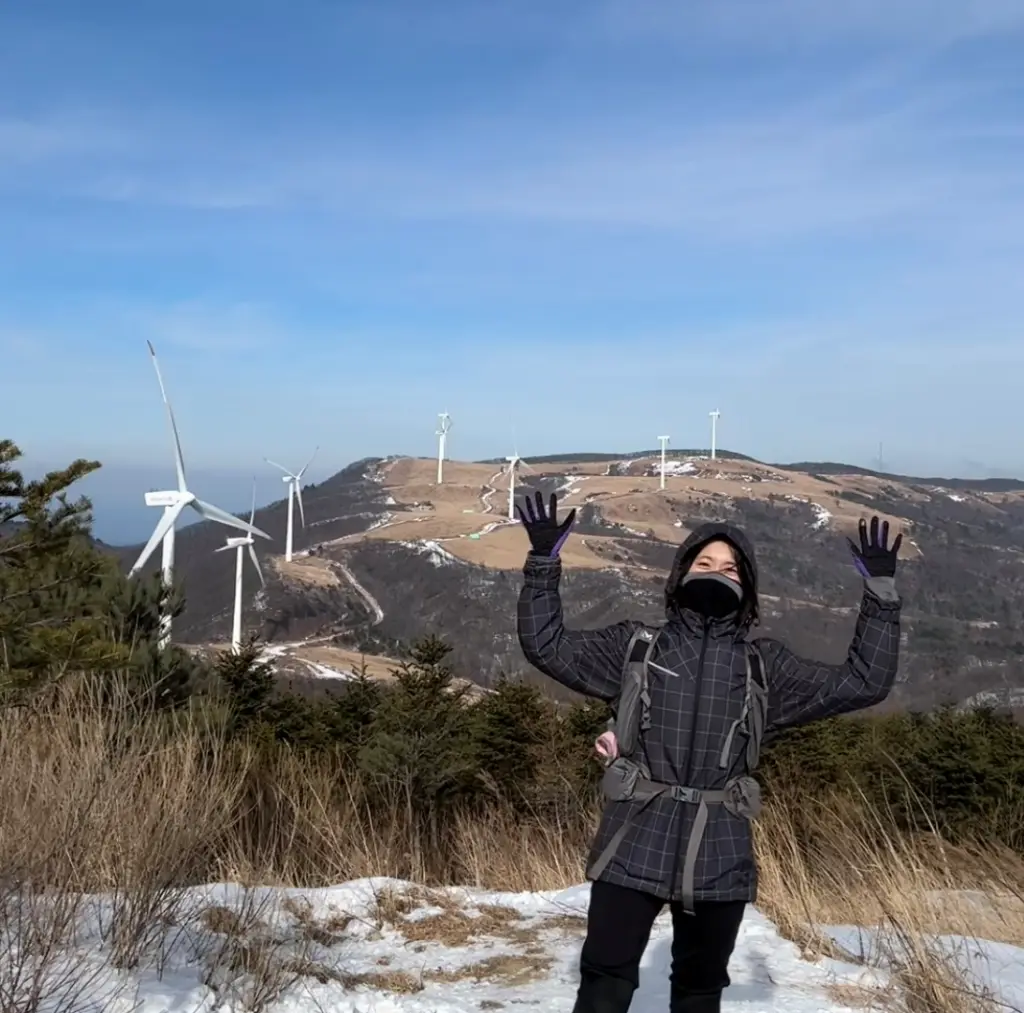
(508, 969)
(311, 570)
(845, 865)
(505, 548)
(437, 524)
(839, 863)
(378, 666)
(456, 508)
(414, 471)
(105, 798)
(451, 924)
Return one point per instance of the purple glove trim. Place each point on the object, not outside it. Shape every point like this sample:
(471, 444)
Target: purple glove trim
(859, 566)
(556, 548)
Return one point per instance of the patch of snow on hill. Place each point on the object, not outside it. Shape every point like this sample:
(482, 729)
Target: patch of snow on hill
(434, 551)
(382, 522)
(325, 671)
(673, 468)
(570, 485)
(821, 516)
(1009, 697)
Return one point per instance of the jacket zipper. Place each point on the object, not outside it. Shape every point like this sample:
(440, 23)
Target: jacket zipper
(697, 686)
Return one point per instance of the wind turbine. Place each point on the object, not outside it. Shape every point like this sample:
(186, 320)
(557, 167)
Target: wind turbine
(515, 463)
(444, 424)
(294, 493)
(238, 544)
(715, 416)
(664, 441)
(174, 502)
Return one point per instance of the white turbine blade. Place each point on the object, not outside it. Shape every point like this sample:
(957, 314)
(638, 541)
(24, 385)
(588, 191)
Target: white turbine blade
(256, 563)
(224, 548)
(302, 471)
(164, 525)
(281, 467)
(252, 512)
(212, 513)
(179, 461)
(298, 496)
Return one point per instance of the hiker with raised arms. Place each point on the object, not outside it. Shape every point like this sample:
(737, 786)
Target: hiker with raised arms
(693, 699)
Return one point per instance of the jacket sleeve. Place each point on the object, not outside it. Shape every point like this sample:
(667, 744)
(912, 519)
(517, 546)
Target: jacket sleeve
(801, 690)
(587, 661)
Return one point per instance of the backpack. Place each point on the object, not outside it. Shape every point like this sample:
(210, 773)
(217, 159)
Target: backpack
(627, 778)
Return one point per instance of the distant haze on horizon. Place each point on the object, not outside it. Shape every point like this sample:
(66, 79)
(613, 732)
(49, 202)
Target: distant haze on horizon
(572, 225)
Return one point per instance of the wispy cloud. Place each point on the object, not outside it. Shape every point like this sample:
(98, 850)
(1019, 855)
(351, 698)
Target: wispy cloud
(936, 160)
(920, 23)
(732, 201)
(205, 328)
(60, 137)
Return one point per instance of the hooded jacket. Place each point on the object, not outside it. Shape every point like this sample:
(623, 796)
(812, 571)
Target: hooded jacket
(697, 681)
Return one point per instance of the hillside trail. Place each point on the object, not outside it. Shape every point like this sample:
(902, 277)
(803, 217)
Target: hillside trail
(367, 597)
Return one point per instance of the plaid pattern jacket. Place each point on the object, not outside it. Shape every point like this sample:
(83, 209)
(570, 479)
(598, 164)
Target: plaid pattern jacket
(697, 679)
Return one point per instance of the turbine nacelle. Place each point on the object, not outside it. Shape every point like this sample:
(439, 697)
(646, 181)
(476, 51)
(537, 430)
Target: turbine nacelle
(168, 498)
(235, 543)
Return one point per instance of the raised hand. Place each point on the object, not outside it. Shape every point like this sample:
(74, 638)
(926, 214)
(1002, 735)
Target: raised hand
(873, 557)
(546, 535)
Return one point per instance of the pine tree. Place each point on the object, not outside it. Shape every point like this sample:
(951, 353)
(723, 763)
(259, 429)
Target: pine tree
(510, 723)
(53, 580)
(420, 737)
(65, 606)
(248, 683)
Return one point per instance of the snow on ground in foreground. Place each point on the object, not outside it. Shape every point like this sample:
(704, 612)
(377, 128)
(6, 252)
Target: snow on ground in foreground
(994, 967)
(382, 946)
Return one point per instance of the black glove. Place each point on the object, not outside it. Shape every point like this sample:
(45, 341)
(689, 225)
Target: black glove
(545, 533)
(872, 558)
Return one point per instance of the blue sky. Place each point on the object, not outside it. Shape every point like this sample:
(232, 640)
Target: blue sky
(571, 225)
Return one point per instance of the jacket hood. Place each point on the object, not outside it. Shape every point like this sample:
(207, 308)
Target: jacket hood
(688, 551)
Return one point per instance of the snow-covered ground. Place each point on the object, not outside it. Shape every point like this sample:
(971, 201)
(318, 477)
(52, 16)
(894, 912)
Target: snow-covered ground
(382, 946)
(374, 605)
(674, 468)
(433, 550)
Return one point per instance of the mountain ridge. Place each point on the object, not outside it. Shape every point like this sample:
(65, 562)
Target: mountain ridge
(808, 467)
(387, 556)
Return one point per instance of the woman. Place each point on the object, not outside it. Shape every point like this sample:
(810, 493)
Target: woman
(673, 845)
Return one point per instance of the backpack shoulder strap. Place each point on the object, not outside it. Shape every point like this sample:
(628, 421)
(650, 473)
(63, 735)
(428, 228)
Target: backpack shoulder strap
(757, 714)
(754, 715)
(633, 707)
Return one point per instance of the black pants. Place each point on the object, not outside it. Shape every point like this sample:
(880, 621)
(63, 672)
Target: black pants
(619, 926)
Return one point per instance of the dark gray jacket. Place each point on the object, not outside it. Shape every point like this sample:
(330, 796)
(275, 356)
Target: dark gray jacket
(697, 682)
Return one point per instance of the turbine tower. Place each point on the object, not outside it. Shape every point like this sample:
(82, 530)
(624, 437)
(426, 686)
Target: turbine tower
(515, 464)
(444, 424)
(174, 502)
(664, 441)
(715, 416)
(294, 482)
(238, 544)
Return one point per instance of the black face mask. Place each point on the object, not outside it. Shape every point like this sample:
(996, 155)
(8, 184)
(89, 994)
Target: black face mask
(709, 594)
